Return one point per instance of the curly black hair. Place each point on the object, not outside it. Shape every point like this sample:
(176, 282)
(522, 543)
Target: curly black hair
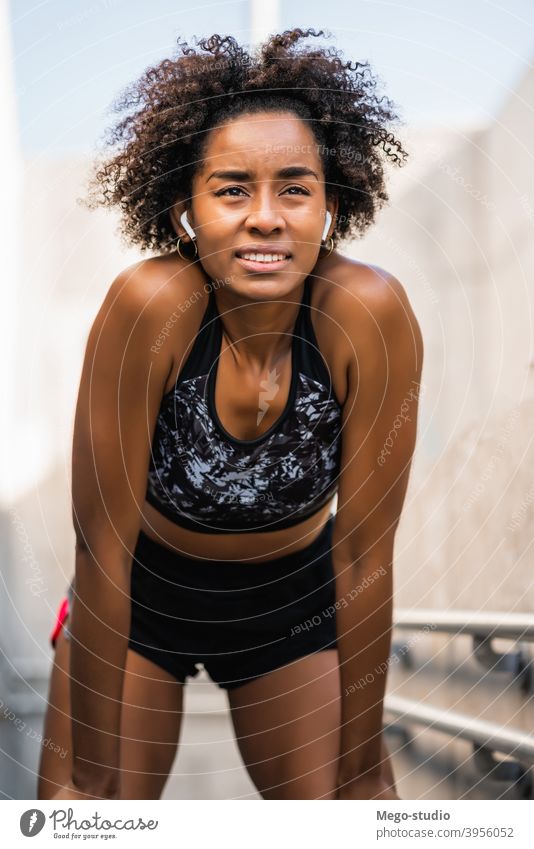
(169, 111)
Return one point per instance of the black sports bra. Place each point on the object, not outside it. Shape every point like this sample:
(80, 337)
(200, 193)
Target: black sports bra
(204, 479)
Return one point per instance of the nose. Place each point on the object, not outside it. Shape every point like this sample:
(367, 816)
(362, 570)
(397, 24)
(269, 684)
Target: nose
(265, 214)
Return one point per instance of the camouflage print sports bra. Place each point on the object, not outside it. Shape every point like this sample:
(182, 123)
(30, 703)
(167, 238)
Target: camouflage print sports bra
(204, 479)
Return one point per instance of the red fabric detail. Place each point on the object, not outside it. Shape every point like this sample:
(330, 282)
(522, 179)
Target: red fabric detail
(62, 614)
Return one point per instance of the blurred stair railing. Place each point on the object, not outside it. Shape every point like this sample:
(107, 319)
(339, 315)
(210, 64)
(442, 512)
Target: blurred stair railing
(487, 738)
(483, 627)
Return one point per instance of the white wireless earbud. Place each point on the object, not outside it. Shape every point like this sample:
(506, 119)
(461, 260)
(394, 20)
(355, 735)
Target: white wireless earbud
(186, 225)
(327, 225)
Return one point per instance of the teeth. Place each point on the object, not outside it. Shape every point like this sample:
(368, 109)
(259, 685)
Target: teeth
(263, 257)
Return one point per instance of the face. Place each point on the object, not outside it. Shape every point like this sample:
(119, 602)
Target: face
(259, 203)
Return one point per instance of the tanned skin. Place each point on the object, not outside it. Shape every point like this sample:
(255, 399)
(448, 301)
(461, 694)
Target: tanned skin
(117, 714)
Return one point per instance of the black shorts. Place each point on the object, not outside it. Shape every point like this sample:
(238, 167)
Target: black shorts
(236, 620)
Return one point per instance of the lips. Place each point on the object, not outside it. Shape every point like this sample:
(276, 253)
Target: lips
(271, 249)
(263, 265)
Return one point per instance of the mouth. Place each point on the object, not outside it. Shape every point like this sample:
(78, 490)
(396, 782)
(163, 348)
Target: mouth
(263, 260)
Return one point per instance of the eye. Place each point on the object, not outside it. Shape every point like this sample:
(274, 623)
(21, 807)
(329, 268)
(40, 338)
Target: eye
(299, 188)
(229, 189)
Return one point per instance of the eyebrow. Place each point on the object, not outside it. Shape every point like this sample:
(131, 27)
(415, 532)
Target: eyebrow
(284, 173)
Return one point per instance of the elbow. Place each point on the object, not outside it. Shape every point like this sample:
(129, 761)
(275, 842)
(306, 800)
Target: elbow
(103, 553)
(105, 540)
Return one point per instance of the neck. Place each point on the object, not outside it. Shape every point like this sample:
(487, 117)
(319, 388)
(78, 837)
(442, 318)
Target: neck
(259, 333)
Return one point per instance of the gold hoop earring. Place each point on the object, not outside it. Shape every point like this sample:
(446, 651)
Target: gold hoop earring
(330, 249)
(184, 256)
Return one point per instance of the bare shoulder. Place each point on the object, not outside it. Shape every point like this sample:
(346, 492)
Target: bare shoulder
(154, 306)
(151, 290)
(362, 287)
(368, 303)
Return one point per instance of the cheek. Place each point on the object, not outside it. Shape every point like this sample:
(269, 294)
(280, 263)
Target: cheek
(220, 233)
(217, 214)
(309, 246)
(306, 226)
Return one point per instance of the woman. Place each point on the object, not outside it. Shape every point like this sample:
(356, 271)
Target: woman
(229, 390)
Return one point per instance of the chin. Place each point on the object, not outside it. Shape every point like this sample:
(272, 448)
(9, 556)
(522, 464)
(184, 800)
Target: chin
(272, 285)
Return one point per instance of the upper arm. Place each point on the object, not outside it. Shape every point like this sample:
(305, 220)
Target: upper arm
(379, 416)
(120, 392)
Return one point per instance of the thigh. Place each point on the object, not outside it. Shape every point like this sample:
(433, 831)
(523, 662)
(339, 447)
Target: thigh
(150, 726)
(287, 725)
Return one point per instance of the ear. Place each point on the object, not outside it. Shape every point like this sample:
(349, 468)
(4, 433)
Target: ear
(332, 205)
(175, 212)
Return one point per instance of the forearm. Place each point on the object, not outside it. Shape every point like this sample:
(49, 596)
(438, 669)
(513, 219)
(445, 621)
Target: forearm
(99, 639)
(364, 625)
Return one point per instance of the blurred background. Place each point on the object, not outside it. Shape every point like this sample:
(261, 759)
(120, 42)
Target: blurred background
(458, 233)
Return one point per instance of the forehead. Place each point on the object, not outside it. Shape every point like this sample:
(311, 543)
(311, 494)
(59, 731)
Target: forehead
(263, 141)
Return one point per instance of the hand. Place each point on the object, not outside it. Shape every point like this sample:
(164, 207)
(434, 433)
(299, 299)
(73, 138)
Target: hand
(69, 792)
(371, 787)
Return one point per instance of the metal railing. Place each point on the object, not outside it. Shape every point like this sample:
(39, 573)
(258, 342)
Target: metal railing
(483, 627)
(487, 738)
